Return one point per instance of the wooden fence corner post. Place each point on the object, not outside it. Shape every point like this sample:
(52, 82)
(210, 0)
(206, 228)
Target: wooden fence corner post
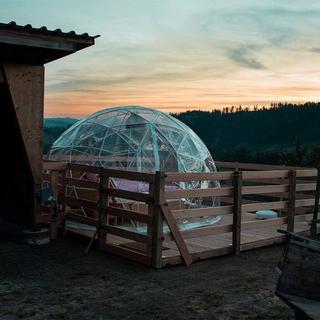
(103, 204)
(155, 228)
(237, 202)
(291, 200)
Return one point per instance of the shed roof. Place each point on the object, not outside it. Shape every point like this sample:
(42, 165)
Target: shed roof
(30, 45)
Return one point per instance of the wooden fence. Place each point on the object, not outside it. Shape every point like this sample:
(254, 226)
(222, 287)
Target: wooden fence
(88, 196)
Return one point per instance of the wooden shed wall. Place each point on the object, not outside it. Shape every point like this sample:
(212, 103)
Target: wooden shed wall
(21, 105)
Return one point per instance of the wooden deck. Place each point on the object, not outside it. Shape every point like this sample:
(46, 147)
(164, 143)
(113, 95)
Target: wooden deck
(206, 247)
(221, 244)
(103, 206)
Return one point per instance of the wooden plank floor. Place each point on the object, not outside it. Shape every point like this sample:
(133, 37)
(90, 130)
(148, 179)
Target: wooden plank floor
(216, 245)
(220, 244)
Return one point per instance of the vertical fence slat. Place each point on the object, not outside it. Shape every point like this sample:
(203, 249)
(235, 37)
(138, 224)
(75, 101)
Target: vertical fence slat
(63, 190)
(63, 201)
(236, 233)
(291, 200)
(155, 229)
(103, 204)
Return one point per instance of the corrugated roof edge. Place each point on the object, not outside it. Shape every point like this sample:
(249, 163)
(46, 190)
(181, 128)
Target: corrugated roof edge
(44, 30)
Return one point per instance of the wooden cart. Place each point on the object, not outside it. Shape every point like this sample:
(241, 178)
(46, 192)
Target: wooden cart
(299, 283)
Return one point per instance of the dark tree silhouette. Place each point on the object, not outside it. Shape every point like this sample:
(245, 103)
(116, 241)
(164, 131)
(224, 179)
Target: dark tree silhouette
(284, 133)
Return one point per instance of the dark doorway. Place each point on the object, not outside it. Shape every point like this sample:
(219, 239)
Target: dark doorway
(17, 197)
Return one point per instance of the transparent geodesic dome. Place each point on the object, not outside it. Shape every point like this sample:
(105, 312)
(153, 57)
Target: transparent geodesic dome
(133, 138)
(138, 139)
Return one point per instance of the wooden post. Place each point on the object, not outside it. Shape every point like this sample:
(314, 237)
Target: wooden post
(236, 232)
(63, 201)
(63, 190)
(53, 225)
(26, 87)
(291, 200)
(282, 181)
(155, 229)
(313, 229)
(103, 204)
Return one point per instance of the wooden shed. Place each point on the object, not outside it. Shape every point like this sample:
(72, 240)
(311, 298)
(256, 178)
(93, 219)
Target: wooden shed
(24, 50)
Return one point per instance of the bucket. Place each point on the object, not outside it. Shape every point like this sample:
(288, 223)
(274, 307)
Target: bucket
(36, 237)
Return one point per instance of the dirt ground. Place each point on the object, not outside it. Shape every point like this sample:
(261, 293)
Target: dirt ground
(59, 281)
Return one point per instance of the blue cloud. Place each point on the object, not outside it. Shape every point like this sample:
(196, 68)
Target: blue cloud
(242, 56)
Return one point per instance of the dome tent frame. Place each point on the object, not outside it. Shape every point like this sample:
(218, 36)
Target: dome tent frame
(139, 139)
(133, 138)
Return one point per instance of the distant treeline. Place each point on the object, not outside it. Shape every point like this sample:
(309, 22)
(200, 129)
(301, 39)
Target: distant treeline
(284, 133)
(53, 128)
(281, 134)
(50, 135)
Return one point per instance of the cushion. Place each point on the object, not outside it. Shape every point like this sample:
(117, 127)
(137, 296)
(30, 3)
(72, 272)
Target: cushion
(266, 214)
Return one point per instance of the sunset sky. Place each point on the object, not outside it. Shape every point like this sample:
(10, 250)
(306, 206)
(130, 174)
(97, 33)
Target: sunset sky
(179, 55)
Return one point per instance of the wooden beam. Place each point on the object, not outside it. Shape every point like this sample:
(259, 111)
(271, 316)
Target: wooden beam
(155, 229)
(176, 234)
(237, 197)
(80, 183)
(203, 176)
(123, 233)
(305, 186)
(245, 226)
(131, 195)
(265, 189)
(264, 206)
(84, 168)
(210, 192)
(255, 224)
(26, 85)
(304, 202)
(54, 165)
(103, 203)
(254, 175)
(291, 200)
(201, 212)
(79, 202)
(63, 202)
(254, 166)
(115, 173)
(129, 175)
(202, 232)
(306, 173)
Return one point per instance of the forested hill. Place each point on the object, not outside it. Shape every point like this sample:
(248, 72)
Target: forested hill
(267, 129)
(53, 128)
(284, 133)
